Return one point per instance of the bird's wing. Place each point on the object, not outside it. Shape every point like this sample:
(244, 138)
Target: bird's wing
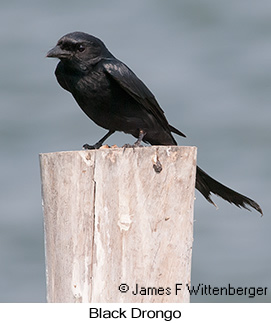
(138, 90)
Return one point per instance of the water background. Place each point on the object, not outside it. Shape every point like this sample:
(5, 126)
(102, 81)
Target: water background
(208, 64)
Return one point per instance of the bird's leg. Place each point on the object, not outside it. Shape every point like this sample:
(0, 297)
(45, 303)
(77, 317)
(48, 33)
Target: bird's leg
(100, 142)
(138, 142)
(140, 138)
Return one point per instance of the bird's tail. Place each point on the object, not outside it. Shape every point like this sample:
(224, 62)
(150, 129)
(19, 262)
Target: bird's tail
(207, 185)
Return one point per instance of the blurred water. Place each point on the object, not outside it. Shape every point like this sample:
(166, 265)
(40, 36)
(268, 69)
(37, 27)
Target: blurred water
(208, 64)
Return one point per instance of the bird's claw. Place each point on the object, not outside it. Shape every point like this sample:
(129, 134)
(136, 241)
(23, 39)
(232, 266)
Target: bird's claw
(138, 142)
(135, 145)
(91, 147)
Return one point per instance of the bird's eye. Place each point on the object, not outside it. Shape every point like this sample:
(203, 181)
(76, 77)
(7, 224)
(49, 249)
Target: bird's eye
(81, 48)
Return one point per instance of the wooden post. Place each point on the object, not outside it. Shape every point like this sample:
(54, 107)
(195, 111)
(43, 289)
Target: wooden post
(118, 221)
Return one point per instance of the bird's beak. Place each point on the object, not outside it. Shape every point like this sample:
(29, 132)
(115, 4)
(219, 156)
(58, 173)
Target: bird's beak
(57, 52)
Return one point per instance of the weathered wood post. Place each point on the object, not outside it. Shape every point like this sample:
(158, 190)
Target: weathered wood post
(119, 224)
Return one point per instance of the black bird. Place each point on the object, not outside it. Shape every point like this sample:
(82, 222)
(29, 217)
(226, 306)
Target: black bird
(116, 99)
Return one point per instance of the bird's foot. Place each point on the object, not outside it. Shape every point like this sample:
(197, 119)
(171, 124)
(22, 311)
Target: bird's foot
(99, 143)
(131, 146)
(92, 147)
(138, 142)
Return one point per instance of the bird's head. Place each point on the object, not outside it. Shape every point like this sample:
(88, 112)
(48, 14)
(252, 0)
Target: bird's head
(79, 48)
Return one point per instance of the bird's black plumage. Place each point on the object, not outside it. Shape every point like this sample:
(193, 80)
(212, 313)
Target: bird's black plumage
(116, 99)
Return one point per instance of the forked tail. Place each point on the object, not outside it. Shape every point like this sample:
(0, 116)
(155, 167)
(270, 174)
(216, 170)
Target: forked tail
(207, 185)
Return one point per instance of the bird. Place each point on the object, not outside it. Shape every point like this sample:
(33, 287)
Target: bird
(112, 96)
